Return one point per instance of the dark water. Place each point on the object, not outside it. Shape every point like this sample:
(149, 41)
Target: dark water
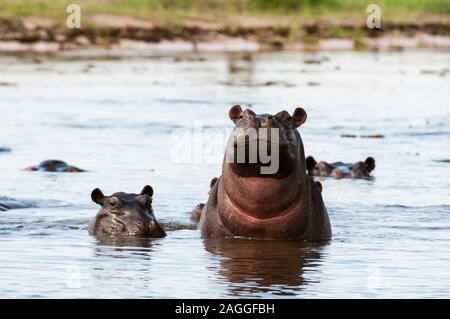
(124, 118)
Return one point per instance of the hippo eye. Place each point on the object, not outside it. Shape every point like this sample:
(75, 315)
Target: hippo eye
(113, 203)
(289, 118)
(241, 116)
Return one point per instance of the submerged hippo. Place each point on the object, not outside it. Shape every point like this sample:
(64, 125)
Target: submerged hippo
(7, 203)
(124, 214)
(249, 202)
(54, 166)
(197, 211)
(340, 170)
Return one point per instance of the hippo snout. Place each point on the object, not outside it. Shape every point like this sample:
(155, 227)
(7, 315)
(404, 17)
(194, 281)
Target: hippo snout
(155, 230)
(256, 129)
(267, 122)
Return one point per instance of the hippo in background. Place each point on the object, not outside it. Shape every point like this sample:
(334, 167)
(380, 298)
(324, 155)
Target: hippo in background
(124, 214)
(7, 203)
(5, 150)
(195, 214)
(197, 211)
(247, 201)
(54, 166)
(340, 170)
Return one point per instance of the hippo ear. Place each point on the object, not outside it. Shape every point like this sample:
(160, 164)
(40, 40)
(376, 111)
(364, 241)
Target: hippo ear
(310, 163)
(213, 182)
(299, 117)
(97, 196)
(147, 190)
(235, 113)
(370, 162)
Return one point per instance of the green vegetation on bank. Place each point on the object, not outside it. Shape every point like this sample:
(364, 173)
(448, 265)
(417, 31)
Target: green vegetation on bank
(402, 10)
(272, 22)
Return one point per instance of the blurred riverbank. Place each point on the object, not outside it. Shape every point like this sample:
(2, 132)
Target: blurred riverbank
(223, 25)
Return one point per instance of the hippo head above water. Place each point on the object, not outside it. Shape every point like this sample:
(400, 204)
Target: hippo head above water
(270, 195)
(338, 170)
(123, 214)
(265, 145)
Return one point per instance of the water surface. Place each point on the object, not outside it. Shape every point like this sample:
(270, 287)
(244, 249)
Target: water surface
(115, 114)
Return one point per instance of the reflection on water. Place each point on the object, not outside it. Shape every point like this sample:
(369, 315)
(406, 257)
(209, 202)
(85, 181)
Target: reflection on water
(124, 241)
(123, 247)
(259, 266)
(114, 113)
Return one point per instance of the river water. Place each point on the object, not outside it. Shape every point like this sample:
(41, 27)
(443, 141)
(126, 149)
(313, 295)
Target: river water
(132, 118)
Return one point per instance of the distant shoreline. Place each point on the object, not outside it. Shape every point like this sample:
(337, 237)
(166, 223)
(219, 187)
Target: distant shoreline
(44, 34)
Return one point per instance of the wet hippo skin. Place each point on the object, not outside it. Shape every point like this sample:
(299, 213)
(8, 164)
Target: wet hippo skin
(54, 166)
(286, 204)
(124, 214)
(197, 211)
(340, 170)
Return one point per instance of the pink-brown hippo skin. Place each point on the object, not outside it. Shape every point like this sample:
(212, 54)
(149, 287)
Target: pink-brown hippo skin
(340, 170)
(284, 205)
(123, 214)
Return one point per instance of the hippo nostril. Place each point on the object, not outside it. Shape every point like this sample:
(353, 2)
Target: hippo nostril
(268, 121)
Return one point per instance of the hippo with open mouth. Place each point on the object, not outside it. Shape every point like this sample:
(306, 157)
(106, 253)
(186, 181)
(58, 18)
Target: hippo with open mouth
(340, 170)
(123, 214)
(54, 166)
(251, 199)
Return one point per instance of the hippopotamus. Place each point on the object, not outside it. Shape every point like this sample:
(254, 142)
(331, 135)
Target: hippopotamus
(54, 166)
(340, 170)
(197, 211)
(124, 214)
(7, 203)
(5, 149)
(247, 201)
